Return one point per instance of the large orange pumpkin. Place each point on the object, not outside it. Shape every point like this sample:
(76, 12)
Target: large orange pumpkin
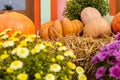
(116, 23)
(16, 21)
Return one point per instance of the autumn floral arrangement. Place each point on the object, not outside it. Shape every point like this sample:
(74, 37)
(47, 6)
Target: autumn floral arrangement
(29, 58)
(108, 61)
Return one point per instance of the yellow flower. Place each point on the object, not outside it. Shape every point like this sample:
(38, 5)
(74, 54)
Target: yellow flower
(40, 46)
(55, 68)
(62, 48)
(65, 78)
(16, 33)
(58, 44)
(68, 53)
(8, 30)
(71, 65)
(80, 70)
(4, 37)
(53, 59)
(73, 56)
(71, 72)
(22, 76)
(16, 65)
(14, 39)
(82, 77)
(8, 44)
(34, 50)
(4, 56)
(60, 57)
(22, 52)
(23, 43)
(2, 33)
(9, 70)
(37, 75)
(49, 77)
(14, 51)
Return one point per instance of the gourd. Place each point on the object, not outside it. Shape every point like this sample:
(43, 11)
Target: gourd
(57, 28)
(95, 24)
(116, 23)
(16, 21)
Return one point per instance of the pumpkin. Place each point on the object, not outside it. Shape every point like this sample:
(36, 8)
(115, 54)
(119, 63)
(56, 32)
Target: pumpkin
(56, 29)
(53, 29)
(44, 33)
(95, 24)
(116, 23)
(97, 27)
(16, 21)
(88, 13)
(67, 26)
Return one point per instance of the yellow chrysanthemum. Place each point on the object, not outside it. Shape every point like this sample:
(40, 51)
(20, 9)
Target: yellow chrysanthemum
(62, 48)
(82, 77)
(55, 68)
(4, 56)
(8, 44)
(34, 51)
(2, 33)
(16, 33)
(4, 37)
(71, 72)
(37, 75)
(68, 53)
(65, 77)
(23, 43)
(58, 44)
(40, 46)
(71, 65)
(60, 57)
(80, 70)
(50, 77)
(8, 30)
(16, 65)
(9, 70)
(22, 52)
(22, 76)
(14, 39)
(53, 59)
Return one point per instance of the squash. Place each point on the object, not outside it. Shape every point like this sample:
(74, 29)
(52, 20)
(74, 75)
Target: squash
(44, 33)
(67, 27)
(54, 29)
(97, 27)
(95, 24)
(16, 21)
(88, 13)
(116, 23)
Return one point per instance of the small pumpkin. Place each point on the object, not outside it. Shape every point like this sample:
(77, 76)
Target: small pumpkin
(56, 29)
(44, 33)
(95, 24)
(67, 26)
(16, 21)
(116, 23)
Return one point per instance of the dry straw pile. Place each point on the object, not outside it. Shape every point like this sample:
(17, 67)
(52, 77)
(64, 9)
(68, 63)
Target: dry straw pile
(85, 48)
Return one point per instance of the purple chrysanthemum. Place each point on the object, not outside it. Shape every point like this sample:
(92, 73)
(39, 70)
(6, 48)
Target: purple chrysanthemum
(117, 36)
(95, 60)
(100, 72)
(115, 71)
(102, 56)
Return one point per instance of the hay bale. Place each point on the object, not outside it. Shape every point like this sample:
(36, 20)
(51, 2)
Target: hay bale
(85, 48)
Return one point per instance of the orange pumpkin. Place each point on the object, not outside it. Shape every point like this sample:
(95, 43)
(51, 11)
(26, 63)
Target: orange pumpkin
(116, 23)
(53, 29)
(67, 26)
(16, 21)
(44, 33)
